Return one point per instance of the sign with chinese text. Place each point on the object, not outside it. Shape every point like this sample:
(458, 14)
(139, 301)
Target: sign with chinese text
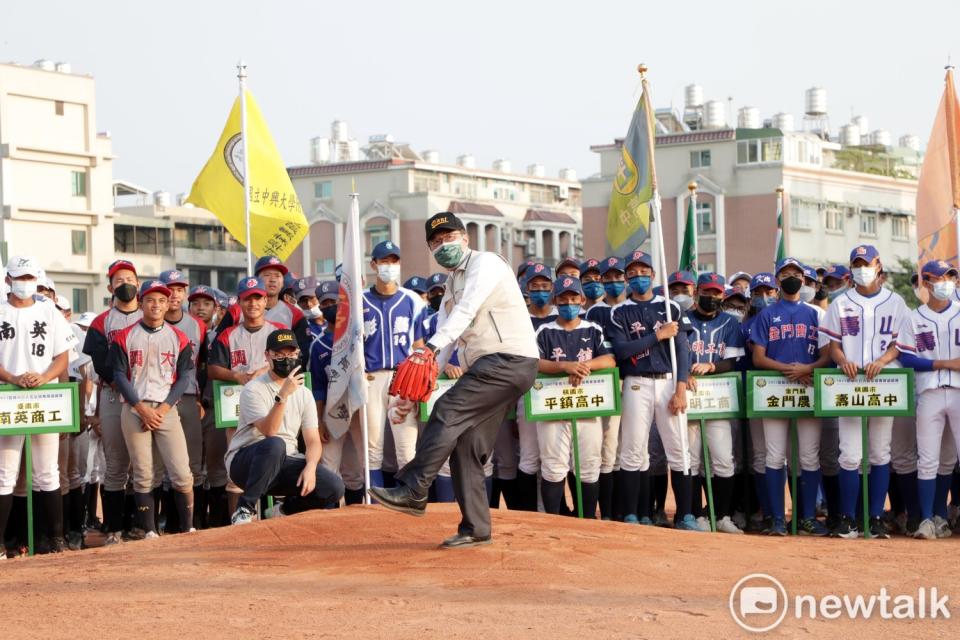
(226, 402)
(52, 408)
(716, 398)
(891, 393)
(771, 395)
(554, 398)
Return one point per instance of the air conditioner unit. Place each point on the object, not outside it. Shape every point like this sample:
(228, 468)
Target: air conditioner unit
(563, 192)
(531, 248)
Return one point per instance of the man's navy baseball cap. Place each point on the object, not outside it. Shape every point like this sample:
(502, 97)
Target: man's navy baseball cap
(809, 273)
(538, 270)
(202, 291)
(682, 277)
(865, 252)
(270, 262)
(289, 281)
(711, 281)
(564, 284)
(638, 257)
(384, 249)
(590, 264)
(938, 268)
(522, 268)
(763, 279)
(612, 263)
(416, 283)
(328, 290)
(250, 286)
(437, 280)
(303, 287)
(222, 298)
(836, 271)
(174, 277)
(153, 286)
(658, 290)
(788, 262)
(443, 221)
(573, 262)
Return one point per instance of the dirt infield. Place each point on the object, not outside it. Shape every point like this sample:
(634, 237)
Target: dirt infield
(363, 572)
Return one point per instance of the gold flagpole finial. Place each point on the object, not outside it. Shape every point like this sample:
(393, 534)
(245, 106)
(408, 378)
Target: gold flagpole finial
(642, 69)
(692, 186)
(779, 189)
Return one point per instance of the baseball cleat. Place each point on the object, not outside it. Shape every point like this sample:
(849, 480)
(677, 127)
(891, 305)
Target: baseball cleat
(400, 498)
(631, 519)
(462, 540)
(926, 531)
(151, 535)
(242, 515)
(740, 520)
(812, 527)
(878, 529)
(846, 528)
(704, 524)
(942, 527)
(660, 519)
(114, 537)
(645, 521)
(778, 527)
(688, 523)
(727, 525)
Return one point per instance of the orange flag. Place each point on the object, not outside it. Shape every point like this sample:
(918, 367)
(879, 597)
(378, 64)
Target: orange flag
(938, 194)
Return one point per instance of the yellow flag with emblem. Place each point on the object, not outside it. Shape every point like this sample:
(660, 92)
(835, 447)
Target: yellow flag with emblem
(277, 223)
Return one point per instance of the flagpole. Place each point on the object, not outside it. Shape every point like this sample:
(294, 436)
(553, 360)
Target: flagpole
(781, 242)
(692, 186)
(356, 307)
(658, 232)
(242, 78)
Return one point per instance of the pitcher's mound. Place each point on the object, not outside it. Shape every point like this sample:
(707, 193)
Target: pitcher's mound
(364, 572)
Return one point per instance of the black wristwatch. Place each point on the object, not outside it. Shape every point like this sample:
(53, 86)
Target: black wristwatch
(278, 400)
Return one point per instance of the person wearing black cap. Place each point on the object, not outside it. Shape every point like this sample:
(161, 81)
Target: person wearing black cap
(304, 292)
(263, 459)
(499, 355)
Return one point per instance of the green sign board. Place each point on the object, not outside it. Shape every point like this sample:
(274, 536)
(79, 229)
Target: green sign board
(226, 402)
(553, 398)
(890, 393)
(772, 395)
(717, 397)
(52, 408)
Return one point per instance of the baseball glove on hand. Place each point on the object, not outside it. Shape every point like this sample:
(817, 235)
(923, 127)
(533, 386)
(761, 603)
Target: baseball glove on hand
(415, 377)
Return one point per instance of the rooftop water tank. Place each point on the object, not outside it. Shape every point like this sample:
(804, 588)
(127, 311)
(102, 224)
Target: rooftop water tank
(715, 115)
(693, 95)
(815, 103)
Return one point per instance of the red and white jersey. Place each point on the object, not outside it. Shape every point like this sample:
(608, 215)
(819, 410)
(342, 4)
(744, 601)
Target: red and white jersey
(282, 313)
(865, 326)
(196, 331)
(100, 335)
(933, 335)
(151, 358)
(31, 337)
(242, 350)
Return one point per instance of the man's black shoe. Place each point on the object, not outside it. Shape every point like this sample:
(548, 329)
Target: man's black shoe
(463, 540)
(400, 498)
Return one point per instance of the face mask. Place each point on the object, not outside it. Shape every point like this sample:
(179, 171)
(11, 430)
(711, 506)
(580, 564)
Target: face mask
(23, 289)
(614, 289)
(449, 254)
(836, 293)
(640, 284)
(821, 293)
(330, 314)
(943, 290)
(807, 293)
(388, 273)
(593, 290)
(708, 304)
(685, 301)
(283, 366)
(312, 313)
(125, 292)
(760, 302)
(736, 313)
(864, 276)
(539, 298)
(791, 285)
(435, 302)
(569, 311)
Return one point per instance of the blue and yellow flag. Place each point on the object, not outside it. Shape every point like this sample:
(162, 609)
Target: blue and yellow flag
(628, 219)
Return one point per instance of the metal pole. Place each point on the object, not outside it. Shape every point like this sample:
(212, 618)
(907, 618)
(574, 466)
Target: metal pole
(356, 306)
(794, 462)
(864, 460)
(242, 78)
(707, 474)
(576, 468)
(28, 453)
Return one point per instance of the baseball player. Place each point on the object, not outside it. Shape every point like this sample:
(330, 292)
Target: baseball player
(573, 347)
(538, 282)
(305, 294)
(591, 282)
(928, 343)
(715, 345)
(863, 325)
(288, 293)
(124, 312)
(741, 281)
(437, 286)
(640, 337)
(35, 341)
(151, 361)
(568, 267)
(681, 284)
(418, 285)
(785, 338)
(735, 303)
(210, 503)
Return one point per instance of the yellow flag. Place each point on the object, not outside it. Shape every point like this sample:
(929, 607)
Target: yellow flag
(277, 223)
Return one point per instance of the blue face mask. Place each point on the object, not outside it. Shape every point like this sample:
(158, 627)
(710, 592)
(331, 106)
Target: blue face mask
(568, 311)
(761, 302)
(640, 284)
(593, 290)
(539, 298)
(614, 289)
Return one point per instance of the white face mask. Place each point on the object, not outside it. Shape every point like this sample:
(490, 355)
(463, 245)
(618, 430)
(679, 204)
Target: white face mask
(736, 313)
(23, 289)
(684, 301)
(944, 290)
(916, 293)
(388, 273)
(312, 313)
(864, 276)
(807, 293)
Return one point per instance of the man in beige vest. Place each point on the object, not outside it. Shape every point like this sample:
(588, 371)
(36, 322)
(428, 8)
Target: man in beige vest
(483, 315)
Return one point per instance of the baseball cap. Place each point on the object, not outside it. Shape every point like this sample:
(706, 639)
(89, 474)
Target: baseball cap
(612, 263)
(763, 279)
(573, 262)
(117, 265)
(638, 257)
(153, 286)
(787, 262)
(837, 271)
(416, 283)
(683, 277)
(731, 292)
(384, 249)
(739, 275)
(250, 286)
(564, 284)
(538, 270)
(222, 298)
(289, 281)
(522, 268)
(443, 221)
(303, 287)
(327, 290)
(270, 262)
(282, 339)
(658, 290)
(711, 281)
(202, 291)
(938, 268)
(590, 264)
(22, 266)
(174, 277)
(46, 281)
(63, 304)
(864, 252)
(437, 280)
(809, 273)
(85, 319)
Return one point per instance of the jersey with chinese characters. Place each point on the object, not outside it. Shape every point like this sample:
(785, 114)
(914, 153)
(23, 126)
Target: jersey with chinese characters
(933, 336)
(100, 335)
(320, 352)
(241, 349)
(31, 337)
(391, 324)
(196, 331)
(632, 321)
(599, 314)
(714, 339)
(283, 313)
(582, 344)
(788, 331)
(547, 319)
(150, 358)
(865, 326)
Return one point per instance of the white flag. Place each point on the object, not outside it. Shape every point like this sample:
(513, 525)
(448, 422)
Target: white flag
(347, 390)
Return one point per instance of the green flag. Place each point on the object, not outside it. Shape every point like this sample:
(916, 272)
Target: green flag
(688, 255)
(628, 218)
(781, 252)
